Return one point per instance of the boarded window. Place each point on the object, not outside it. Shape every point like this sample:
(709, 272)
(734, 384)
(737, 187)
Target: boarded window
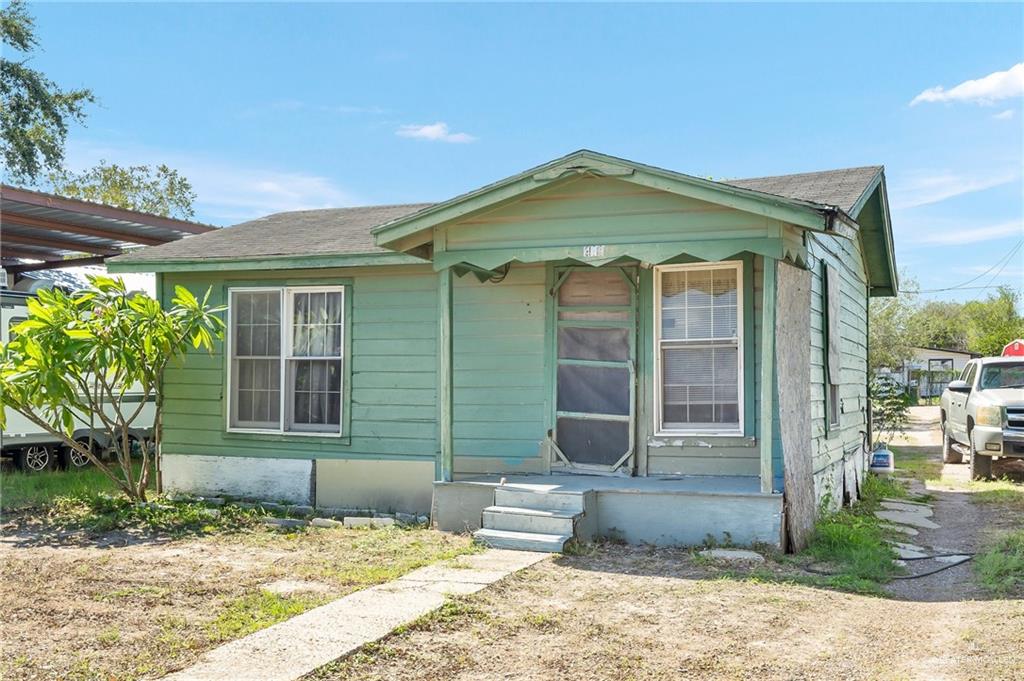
(700, 352)
(294, 335)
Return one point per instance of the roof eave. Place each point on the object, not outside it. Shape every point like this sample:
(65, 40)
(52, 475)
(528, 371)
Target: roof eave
(285, 262)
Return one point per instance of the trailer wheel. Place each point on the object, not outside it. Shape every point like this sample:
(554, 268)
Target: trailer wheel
(35, 458)
(72, 459)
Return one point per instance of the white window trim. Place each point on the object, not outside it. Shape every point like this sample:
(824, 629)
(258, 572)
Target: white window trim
(659, 430)
(286, 347)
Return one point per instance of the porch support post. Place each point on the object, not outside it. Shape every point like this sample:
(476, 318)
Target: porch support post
(444, 377)
(767, 373)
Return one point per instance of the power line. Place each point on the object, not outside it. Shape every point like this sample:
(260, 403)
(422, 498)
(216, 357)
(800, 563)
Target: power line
(1000, 264)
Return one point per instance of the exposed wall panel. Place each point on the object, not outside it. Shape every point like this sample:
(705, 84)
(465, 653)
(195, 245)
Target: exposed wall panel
(381, 485)
(792, 357)
(266, 479)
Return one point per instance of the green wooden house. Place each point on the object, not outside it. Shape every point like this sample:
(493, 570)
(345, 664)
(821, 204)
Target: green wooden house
(591, 347)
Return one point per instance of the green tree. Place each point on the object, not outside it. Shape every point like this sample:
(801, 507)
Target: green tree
(160, 190)
(939, 324)
(34, 111)
(72, 362)
(993, 322)
(889, 340)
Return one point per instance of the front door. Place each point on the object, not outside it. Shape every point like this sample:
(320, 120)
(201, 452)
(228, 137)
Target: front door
(595, 369)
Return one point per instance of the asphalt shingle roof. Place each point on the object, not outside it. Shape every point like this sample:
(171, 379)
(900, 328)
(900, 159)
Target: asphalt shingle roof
(328, 231)
(346, 231)
(841, 188)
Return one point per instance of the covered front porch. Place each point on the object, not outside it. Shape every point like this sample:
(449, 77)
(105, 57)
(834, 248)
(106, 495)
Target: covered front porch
(607, 347)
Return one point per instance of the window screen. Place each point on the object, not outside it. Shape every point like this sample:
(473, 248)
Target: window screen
(290, 334)
(699, 347)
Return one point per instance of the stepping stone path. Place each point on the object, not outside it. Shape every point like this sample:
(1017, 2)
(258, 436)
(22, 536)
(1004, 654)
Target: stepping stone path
(909, 550)
(908, 507)
(902, 529)
(916, 518)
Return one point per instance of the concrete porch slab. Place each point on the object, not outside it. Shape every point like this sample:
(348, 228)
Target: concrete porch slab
(578, 484)
(667, 510)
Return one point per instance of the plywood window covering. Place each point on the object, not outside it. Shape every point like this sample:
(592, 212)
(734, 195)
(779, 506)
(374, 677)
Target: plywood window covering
(699, 353)
(290, 337)
(833, 334)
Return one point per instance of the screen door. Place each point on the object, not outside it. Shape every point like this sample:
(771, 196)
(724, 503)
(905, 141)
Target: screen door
(595, 346)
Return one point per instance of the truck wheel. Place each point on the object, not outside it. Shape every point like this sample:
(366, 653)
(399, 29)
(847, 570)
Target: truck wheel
(981, 464)
(35, 459)
(949, 455)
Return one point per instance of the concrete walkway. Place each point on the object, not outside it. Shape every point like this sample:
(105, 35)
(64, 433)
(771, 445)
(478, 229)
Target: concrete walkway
(297, 646)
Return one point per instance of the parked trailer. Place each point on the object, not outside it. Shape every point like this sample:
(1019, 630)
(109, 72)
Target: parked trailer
(32, 448)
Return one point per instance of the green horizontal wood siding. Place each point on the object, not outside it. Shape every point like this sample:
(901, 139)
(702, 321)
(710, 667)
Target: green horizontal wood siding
(832, 444)
(589, 210)
(499, 371)
(392, 371)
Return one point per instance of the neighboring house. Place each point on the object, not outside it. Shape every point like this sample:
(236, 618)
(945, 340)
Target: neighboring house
(930, 369)
(633, 351)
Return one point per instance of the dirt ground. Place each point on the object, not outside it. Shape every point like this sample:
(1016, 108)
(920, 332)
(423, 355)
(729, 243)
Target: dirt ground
(634, 613)
(121, 606)
(643, 613)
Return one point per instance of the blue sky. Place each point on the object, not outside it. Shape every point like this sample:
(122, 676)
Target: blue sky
(277, 106)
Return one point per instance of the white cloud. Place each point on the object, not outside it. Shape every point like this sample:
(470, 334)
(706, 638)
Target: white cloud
(985, 90)
(435, 132)
(1003, 115)
(227, 191)
(238, 193)
(970, 235)
(921, 189)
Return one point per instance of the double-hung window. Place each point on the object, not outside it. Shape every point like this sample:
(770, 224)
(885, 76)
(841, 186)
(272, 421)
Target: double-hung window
(286, 359)
(699, 348)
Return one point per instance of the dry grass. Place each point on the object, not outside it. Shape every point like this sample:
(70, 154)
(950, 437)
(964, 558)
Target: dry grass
(639, 613)
(76, 611)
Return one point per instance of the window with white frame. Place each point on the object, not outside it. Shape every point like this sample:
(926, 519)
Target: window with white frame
(287, 357)
(699, 347)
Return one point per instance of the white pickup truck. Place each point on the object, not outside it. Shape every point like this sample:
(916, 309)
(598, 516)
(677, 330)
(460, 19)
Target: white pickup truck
(32, 448)
(982, 414)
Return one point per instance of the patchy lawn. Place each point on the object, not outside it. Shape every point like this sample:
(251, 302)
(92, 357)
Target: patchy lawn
(20, 491)
(642, 613)
(96, 588)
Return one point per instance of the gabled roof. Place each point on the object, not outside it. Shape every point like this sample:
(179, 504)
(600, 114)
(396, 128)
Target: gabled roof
(820, 201)
(842, 188)
(802, 212)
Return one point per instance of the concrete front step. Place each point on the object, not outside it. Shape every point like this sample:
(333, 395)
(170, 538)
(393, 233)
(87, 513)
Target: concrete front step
(543, 521)
(517, 497)
(522, 541)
